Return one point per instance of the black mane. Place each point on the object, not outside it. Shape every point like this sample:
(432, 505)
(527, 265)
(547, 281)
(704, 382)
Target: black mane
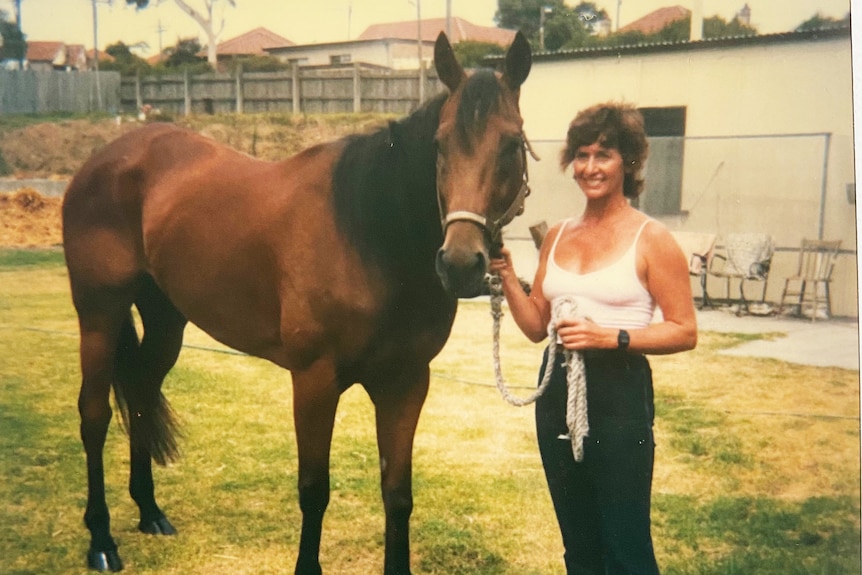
(385, 190)
(385, 183)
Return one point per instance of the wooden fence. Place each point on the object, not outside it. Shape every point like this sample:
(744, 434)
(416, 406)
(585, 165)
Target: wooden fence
(42, 92)
(295, 91)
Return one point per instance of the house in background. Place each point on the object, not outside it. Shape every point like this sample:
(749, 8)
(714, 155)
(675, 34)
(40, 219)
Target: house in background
(255, 42)
(393, 46)
(657, 20)
(461, 31)
(55, 56)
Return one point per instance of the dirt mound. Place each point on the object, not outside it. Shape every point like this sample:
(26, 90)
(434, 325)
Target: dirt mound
(29, 219)
(57, 148)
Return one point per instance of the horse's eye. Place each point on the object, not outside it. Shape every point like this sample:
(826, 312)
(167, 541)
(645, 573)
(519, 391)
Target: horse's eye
(510, 148)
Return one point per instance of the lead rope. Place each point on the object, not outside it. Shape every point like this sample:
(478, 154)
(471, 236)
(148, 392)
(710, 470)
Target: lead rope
(576, 382)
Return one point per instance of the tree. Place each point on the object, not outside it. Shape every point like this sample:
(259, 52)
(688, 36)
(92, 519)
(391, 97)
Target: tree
(821, 21)
(564, 27)
(13, 45)
(471, 53)
(125, 62)
(204, 18)
(184, 55)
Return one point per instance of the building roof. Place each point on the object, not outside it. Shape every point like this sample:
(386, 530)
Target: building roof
(52, 52)
(825, 33)
(462, 30)
(657, 20)
(253, 42)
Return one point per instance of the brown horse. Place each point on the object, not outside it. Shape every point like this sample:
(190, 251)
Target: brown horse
(342, 264)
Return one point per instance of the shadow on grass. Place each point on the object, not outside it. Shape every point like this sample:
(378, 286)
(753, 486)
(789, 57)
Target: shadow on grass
(760, 535)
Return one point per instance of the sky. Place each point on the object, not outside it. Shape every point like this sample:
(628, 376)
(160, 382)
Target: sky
(71, 21)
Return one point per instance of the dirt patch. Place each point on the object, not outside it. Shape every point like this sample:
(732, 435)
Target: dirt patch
(29, 219)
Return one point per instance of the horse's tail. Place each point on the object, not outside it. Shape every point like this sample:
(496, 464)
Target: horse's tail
(146, 415)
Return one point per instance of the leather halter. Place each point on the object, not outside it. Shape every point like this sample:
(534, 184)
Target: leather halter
(493, 228)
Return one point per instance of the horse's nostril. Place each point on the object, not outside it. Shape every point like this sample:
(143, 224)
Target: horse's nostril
(462, 273)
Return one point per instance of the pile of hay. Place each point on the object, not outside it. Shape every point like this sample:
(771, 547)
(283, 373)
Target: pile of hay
(28, 220)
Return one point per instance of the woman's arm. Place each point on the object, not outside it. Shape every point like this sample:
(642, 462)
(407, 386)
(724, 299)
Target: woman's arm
(531, 312)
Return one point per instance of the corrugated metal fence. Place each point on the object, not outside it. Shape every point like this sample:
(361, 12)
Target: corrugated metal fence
(42, 92)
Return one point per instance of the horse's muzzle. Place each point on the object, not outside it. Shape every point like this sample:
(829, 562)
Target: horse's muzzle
(463, 260)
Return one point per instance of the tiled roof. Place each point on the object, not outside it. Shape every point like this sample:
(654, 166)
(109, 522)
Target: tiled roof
(656, 20)
(76, 56)
(253, 42)
(461, 30)
(53, 52)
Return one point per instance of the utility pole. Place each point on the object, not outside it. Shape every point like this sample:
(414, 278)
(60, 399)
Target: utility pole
(542, 11)
(20, 32)
(96, 54)
(619, 2)
(419, 50)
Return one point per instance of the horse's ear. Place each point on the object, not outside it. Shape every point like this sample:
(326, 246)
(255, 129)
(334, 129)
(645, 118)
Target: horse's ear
(449, 70)
(519, 59)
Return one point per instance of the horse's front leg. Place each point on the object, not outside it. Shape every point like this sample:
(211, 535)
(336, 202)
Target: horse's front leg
(398, 404)
(315, 400)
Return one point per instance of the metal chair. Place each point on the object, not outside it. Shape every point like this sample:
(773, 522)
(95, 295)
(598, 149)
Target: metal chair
(816, 262)
(746, 257)
(699, 249)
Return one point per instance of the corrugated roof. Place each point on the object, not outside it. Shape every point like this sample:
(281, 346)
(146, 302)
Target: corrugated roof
(705, 44)
(657, 20)
(462, 30)
(253, 42)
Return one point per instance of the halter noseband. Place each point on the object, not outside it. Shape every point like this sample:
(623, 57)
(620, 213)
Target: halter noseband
(493, 228)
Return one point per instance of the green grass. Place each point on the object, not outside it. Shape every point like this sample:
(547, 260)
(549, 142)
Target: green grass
(18, 258)
(16, 121)
(737, 489)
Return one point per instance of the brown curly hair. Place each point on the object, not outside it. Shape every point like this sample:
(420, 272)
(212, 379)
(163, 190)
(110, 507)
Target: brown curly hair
(614, 125)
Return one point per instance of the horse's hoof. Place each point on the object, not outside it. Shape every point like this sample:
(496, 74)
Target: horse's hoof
(160, 526)
(104, 560)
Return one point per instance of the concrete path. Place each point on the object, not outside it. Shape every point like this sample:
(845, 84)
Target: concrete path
(827, 343)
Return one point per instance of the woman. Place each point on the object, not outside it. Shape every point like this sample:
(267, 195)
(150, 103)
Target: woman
(617, 265)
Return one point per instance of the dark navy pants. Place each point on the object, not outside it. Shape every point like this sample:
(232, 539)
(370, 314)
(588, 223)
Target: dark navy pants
(603, 502)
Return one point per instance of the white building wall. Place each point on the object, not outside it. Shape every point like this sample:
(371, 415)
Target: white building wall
(795, 97)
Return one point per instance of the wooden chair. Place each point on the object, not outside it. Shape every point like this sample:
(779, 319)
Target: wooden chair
(699, 249)
(816, 262)
(746, 257)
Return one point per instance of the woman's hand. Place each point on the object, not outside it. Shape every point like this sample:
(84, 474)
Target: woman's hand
(582, 333)
(503, 265)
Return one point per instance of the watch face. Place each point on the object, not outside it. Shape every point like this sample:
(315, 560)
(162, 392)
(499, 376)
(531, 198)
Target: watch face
(623, 339)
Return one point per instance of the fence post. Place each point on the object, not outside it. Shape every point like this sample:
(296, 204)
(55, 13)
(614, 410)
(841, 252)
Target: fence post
(357, 89)
(239, 89)
(294, 86)
(187, 94)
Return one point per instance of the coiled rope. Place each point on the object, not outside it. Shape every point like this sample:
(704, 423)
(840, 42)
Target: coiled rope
(576, 382)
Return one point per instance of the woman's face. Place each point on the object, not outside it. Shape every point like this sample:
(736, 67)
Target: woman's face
(598, 170)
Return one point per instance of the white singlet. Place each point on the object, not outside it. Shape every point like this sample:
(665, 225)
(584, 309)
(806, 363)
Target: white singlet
(612, 296)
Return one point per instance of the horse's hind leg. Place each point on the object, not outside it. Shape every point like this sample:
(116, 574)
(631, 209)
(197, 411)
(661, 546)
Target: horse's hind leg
(149, 418)
(100, 327)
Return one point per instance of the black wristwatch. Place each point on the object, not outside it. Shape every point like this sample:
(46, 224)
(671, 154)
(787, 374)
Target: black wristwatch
(623, 340)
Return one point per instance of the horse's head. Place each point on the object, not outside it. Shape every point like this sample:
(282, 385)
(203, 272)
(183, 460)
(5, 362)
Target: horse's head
(481, 162)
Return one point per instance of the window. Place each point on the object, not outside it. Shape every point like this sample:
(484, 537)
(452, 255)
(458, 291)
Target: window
(340, 59)
(665, 128)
